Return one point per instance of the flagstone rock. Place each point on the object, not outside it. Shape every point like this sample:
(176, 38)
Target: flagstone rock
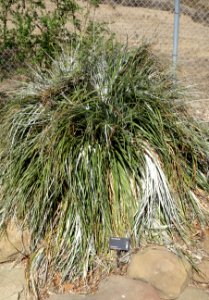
(70, 297)
(162, 269)
(12, 282)
(192, 293)
(13, 243)
(117, 288)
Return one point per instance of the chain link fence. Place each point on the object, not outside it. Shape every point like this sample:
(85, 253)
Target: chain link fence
(8, 61)
(153, 21)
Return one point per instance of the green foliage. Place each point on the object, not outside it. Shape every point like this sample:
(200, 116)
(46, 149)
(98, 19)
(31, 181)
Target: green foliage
(32, 31)
(95, 2)
(97, 147)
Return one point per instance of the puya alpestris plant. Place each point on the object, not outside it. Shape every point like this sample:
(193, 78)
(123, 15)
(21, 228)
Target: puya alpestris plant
(97, 147)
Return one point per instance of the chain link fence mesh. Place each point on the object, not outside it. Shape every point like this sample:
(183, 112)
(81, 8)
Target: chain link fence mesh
(153, 21)
(8, 62)
(194, 51)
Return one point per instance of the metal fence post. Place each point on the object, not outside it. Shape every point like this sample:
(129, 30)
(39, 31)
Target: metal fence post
(176, 32)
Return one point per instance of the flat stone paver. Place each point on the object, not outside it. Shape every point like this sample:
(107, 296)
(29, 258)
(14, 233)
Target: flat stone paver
(192, 293)
(117, 288)
(12, 281)
(70, 297)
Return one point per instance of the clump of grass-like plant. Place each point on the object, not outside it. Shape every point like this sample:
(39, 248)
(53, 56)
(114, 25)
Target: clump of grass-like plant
(98, 147)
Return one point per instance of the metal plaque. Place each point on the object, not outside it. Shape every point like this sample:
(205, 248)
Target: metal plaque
(119, 244)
